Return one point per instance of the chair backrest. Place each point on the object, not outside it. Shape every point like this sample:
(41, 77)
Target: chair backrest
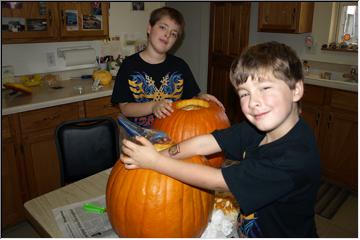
(86, 146)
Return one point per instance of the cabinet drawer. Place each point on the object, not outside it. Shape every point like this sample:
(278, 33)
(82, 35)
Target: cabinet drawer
(48, 118)
(344, 100)
(100, 107)
(314, 94)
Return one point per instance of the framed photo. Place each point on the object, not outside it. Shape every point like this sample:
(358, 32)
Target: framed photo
(12, 24)
(96, 8)
(138, 6)
(36, 24)
(71, 17)
(92, 22)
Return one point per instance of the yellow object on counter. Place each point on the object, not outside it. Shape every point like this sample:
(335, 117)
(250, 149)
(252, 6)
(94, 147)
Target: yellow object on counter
(104, 76)
(31, 80)
(18, 87)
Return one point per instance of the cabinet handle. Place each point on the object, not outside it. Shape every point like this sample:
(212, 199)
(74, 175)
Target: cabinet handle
(329, 120)
(50, 18)
(108, 105)
(317, 118)
(266, 19)
(293, 16)
(62, 17)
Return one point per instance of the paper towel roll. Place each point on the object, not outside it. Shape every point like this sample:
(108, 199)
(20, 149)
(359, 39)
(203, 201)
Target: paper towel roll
(79, 56)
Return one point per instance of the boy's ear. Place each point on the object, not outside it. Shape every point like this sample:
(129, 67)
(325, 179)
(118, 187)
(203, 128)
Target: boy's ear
(148, 29)
(298, 91)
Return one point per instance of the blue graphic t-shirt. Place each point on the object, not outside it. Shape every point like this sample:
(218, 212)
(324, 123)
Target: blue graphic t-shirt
(140, 82)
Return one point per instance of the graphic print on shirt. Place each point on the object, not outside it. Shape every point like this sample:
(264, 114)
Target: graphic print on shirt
(248, 227)
(143, 88)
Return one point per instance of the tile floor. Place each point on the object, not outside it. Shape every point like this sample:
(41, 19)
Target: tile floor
(343, 225)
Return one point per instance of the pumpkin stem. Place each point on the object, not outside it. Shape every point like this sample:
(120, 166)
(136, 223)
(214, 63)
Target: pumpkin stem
(192, 104)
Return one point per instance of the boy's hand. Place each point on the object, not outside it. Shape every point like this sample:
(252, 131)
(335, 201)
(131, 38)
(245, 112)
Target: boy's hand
(162, 108)
(138, 156)
(210, 97)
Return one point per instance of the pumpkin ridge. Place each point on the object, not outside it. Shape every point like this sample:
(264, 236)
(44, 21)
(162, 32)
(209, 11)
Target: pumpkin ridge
(127, 211)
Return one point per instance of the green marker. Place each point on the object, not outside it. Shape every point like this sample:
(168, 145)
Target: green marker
(88, 207)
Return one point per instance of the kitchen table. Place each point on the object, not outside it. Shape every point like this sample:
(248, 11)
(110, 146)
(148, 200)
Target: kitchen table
(39, 210)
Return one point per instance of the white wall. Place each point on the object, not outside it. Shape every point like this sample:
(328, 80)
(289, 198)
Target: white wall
(195, 45)
(30, 58)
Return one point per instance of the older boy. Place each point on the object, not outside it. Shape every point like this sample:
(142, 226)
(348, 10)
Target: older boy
(278, 174)
(148, 81)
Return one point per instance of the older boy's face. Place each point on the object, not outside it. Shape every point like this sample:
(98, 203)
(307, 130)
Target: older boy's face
(269, 103)
(163, 35)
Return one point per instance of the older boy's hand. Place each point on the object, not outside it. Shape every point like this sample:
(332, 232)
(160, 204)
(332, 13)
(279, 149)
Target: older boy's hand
(138, 156)
(210, 97)
(162, 108)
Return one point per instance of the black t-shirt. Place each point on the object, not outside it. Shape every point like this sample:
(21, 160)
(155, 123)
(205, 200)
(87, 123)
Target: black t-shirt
(275, 184)
(139, 81)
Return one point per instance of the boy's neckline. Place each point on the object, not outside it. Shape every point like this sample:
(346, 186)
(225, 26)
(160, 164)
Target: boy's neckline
(143, 56)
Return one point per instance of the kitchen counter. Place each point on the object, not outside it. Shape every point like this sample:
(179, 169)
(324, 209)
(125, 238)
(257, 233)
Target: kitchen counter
(43, 96)
(338, 84)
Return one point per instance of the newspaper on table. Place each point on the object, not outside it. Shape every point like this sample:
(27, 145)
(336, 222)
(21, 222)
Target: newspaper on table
(74, 222)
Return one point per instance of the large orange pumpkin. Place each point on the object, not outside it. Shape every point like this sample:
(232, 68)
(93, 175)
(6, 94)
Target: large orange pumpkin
(144, 203)
(191, 118)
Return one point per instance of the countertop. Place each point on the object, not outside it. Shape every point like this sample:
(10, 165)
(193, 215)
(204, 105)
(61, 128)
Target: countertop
(43, 96)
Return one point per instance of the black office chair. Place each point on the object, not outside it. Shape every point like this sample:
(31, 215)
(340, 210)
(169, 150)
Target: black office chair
(86, 146)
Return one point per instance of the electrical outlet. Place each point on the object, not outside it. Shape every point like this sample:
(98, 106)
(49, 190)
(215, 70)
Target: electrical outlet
(50, 59)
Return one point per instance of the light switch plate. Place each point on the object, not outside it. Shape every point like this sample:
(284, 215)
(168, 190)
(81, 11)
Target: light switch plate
(50, 59)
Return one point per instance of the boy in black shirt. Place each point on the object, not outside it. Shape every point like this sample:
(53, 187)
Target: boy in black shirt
(149, 81)
(278, 174)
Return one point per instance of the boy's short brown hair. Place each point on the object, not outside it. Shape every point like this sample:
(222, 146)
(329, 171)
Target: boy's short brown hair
(275, 57)
(172, 13)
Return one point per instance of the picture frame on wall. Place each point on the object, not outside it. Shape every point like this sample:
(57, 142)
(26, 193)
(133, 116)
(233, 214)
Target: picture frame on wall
(138, 6)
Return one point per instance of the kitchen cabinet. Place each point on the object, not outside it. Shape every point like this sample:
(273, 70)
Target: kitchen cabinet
(30, 166)
(38, 145)
(29, 22)
(229, 35)
(332, 113)
(285, 17)
(12, 181)
(101, 107)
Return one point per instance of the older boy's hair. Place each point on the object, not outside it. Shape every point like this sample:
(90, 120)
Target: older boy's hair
(275, 57)
(172, 13)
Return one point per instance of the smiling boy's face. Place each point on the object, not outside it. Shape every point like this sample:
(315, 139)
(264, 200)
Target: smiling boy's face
(163, 34)
(269, 103)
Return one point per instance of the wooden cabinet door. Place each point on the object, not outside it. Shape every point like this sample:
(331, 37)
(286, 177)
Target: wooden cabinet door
(101, 107)
(81, 21)
(277, 16)
(12, 190)
(42, 163)
(38, 138)
(313, 116)
(287, 17)
(339, 147)
(29, 22)
(229, 33)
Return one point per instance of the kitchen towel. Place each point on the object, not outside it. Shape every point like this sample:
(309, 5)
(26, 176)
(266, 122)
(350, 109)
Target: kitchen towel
(77, 57)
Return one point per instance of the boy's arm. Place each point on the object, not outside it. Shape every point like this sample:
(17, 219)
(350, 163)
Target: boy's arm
(160, 109)
(145, 156)
(199, 145)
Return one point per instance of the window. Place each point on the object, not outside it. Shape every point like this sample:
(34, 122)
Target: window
(347, 25)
